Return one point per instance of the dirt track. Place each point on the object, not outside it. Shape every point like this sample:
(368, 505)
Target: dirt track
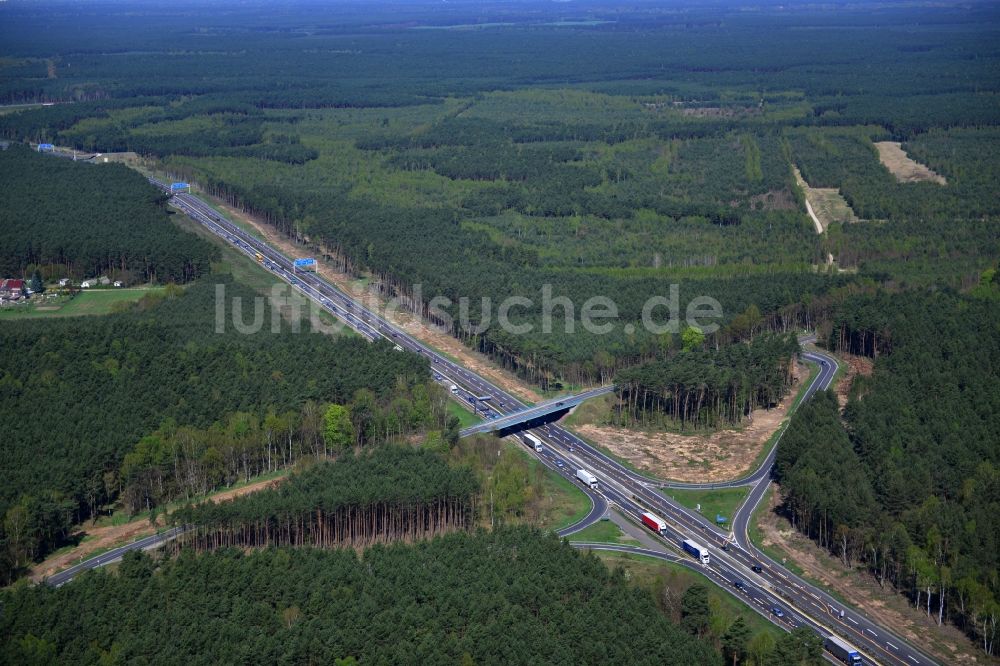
(115, 535)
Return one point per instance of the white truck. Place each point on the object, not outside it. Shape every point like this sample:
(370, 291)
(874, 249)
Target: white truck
(586, 478)
(842, 650)
(699, 551)
(533, 442)
(454, 388)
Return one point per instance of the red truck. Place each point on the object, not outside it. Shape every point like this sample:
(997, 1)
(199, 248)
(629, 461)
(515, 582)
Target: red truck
(655, 523)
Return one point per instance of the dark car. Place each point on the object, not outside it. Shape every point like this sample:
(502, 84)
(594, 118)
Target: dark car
(739, 585)
(559, 404)
(757, 568)
(777, 612)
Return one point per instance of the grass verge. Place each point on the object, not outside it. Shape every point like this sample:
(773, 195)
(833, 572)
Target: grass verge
(465, 417)
(651, 573)
(713, 502)
(603, 531)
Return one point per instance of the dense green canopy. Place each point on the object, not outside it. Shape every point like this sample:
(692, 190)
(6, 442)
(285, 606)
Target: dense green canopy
(84, 221)
(513, 596)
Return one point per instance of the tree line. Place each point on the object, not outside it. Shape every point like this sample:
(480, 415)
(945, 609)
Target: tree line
(83, 394)
(184, 461)
(386, 495)
(707, 389)
(78, 220)
(511, 595)
(905, 483)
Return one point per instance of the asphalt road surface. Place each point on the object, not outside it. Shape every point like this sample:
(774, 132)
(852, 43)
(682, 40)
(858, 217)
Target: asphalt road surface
(732, 556)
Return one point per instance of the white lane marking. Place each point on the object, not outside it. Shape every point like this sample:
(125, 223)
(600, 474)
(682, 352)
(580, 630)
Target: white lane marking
(892, 646)
(910, 657)
(851, 619)
(872, 633)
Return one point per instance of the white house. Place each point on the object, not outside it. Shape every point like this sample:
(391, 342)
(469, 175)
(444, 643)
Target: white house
(118, 283)
(63, 282)
(86, 284)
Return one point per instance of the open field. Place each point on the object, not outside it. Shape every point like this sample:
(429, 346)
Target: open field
(603, 531)
(903, 167)
(827, 203)
(93, 302)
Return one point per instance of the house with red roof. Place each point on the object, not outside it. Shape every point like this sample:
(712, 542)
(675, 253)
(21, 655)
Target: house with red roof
(11, 290)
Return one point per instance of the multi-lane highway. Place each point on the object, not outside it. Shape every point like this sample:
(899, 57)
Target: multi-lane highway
(735, 563)
(536, 412)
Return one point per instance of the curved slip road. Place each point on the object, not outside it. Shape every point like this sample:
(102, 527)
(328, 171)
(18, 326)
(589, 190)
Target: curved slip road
(630, 491)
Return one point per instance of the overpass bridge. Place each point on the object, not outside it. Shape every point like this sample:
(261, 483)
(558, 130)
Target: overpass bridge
(536, 415)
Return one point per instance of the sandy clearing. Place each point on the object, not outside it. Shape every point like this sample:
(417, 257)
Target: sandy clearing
(722, 455)
(102, 538)
(903, 167)
(825, 205)
(408, 322)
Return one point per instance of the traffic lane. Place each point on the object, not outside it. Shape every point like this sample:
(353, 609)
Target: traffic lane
(578, 441)
(756, 587)
(113, 555)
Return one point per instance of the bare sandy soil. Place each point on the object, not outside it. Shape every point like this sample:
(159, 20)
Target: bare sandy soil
(859, 589)
(408, 322)
(102, 538)
(905, 169)
(826, 204)
(856, 365)
(722, 455)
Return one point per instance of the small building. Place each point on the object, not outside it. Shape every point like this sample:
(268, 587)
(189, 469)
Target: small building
(87, 284)
(12, 290)
(63, 282)
(45, 147)
(118, 283)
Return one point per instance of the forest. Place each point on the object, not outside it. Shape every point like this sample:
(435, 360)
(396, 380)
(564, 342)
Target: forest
(508, 596)
(153, 404)
(78, 220)
(534, 163)
(906, 483)
(382, 496)
(707, 389)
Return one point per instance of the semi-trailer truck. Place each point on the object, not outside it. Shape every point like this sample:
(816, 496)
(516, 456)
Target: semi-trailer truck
(692, 548)
(586, 478)
(842, 650)
(533, 442)
(655, 523)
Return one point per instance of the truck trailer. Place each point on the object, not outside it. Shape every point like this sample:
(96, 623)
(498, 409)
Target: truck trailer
(842, 650)
(692, 548)
(655, 523)
(533, 442)
(586, 478)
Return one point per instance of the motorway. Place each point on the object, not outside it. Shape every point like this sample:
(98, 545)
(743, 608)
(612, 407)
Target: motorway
(764, 584)
(536, 412)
